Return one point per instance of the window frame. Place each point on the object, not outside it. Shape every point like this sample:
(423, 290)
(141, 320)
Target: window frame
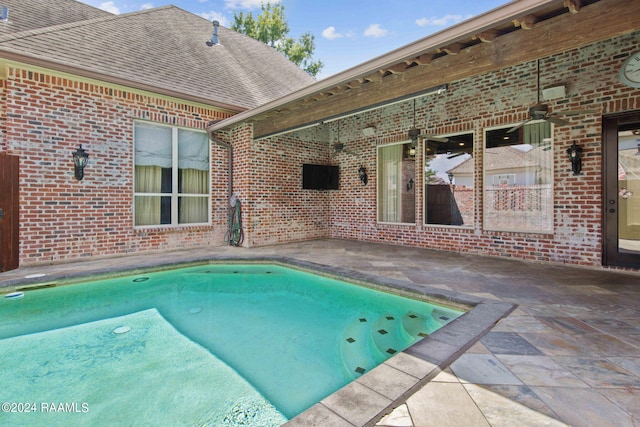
(379, 177)
(486, 181)
(175, 195)
(462, 226)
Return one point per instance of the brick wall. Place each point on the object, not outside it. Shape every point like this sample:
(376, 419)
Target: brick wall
(495, 100)
(61, 218)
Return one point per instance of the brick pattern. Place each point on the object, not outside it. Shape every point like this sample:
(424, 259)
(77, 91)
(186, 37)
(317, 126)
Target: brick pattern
(493, 100)
(44, 118)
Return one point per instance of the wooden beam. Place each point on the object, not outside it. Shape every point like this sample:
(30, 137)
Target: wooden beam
(526, 22)
(487, 36)
(397, 68)
(452, 49)
(424, 59)
(573, 5)
(598, 21)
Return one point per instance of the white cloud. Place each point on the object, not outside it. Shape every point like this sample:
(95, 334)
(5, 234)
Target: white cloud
(374, 30)
(246, 4)
(331, 33)
(146, 6)
(215, 16)
(109, 6)
(441, 22)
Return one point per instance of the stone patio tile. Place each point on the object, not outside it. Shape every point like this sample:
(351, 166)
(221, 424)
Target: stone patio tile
(631, 364)
(540, 371)
(523, 395)
(508, 343)
(412, 365)
(599, 372)
(599, 344)
(445, 405)
(583, 407)
(625, 398)
(356, 403)
(400, 417)
(566, 325)
(389, 381)
(318, 415)
(502, 411)
(482, 369)
(555, 344)
(446, 376)
(520, 323)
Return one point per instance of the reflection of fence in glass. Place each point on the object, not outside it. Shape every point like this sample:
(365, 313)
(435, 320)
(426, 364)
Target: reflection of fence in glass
(519, 208)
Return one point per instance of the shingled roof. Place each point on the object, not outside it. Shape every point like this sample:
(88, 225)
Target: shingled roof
(25, 15)
(162, 50)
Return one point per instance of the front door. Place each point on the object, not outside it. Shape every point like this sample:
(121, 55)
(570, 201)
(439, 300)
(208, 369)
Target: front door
(9, 249)
(621, 173)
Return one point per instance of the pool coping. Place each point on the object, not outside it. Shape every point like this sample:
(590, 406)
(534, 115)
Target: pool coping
(376, 393)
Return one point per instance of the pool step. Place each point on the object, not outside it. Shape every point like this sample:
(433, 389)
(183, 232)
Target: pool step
(415, 324)
(366, 343)
(390, 336)
(440, 317)
(356, 348)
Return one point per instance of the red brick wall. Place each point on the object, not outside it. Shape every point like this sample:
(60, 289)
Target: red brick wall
(62, 218)
(269, 181)
(472, 105)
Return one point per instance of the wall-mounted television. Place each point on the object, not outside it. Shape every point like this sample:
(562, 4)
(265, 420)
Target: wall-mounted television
(320, 177)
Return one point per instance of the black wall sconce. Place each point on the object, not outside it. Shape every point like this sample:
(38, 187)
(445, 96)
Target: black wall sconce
(80, 158)
(362, 173)
(575, 157)
(450, 176)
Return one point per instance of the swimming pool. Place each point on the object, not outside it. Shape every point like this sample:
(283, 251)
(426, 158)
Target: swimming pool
(238, 344)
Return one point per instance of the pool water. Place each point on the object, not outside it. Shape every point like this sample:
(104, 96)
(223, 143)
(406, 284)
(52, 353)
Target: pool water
(212, 344)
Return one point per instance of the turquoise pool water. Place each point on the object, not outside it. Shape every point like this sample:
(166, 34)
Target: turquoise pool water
(206, 345)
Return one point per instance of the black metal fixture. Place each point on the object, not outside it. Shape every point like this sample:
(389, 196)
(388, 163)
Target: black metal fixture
(450, 176)
(80, 158)
(362, 173)
(410, 185)
(414, 133)
(575, 157)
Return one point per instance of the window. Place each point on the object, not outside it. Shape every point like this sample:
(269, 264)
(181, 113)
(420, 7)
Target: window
(449, 182)
(171, 182)
(396, 183)
(518, 179)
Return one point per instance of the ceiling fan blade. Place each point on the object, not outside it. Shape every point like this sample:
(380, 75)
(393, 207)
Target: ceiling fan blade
(574, 112)
(451, 156)
(557, 121)
(516, 127)
(434, 138)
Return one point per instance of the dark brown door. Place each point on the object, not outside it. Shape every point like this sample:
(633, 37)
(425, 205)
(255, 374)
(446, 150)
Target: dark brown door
(9, 247)
(621, 175)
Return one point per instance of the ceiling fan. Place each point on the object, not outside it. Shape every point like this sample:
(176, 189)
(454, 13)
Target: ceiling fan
(340, 147)
(541, 111)
(414, 133)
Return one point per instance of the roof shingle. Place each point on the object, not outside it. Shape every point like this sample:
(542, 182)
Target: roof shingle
(165, 48)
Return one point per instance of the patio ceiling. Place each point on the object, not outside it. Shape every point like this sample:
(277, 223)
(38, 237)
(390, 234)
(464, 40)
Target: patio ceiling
(520, 31)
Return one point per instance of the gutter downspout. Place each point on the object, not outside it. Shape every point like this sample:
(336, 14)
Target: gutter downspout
(229, 149)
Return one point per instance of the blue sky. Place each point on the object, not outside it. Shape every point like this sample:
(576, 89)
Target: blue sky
(347, 32)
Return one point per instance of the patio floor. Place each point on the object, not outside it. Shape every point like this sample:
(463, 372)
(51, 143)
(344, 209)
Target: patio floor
(569, 354)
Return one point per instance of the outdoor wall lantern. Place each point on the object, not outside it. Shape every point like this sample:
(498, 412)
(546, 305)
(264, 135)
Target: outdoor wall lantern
(362, 173)
(450, 176)
(80, 158)
(575, 157)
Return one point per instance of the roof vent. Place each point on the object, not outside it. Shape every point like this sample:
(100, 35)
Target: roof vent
(214, 37)
(4, 15)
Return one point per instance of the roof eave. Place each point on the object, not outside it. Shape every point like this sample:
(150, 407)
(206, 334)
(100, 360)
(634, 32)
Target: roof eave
(478, 24)
(111, 79)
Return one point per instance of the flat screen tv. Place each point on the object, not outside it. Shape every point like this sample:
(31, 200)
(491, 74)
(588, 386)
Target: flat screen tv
(320, 177)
